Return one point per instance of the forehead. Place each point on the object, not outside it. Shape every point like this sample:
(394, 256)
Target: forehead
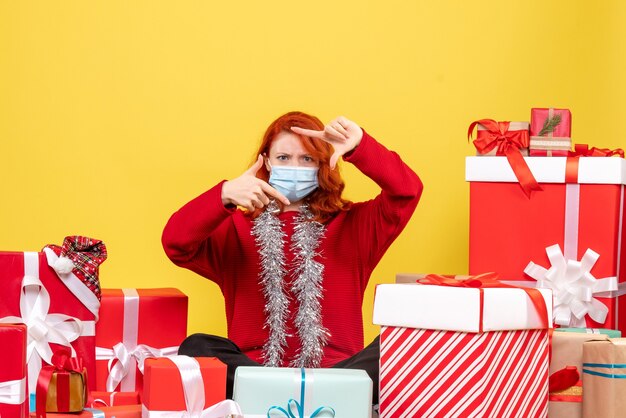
(288, 143)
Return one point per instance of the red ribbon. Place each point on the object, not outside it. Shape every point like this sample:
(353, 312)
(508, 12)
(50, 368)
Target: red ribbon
(489, 280)
(583, 150)
(508, 143)
(62, 364)
(563, 379)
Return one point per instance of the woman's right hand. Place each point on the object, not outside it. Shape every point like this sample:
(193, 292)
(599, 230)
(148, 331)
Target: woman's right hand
(249, 191)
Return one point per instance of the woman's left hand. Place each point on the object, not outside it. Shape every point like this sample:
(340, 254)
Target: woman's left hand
(343, 134)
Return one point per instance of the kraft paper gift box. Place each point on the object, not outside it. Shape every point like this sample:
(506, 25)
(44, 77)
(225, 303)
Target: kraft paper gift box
(66, 306)
(265, 391)
(567, 351)
(458, 351)
(13, 391)
(136, 324)
(122, 411)
(99, 399)
(186, 386)
(604, 378)
(550, 132)
(567, 237)
(491, 137)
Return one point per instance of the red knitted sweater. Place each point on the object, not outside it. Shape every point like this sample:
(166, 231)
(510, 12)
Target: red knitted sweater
(215, 242)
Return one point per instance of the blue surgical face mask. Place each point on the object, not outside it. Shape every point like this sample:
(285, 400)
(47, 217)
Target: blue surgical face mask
(295, 183)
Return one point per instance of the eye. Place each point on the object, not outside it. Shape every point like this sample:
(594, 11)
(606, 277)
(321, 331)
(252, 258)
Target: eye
(282, 157)
(308, 159)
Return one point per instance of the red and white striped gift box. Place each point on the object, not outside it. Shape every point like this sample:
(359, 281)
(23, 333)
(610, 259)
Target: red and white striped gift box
(425, 373)
(461, 352)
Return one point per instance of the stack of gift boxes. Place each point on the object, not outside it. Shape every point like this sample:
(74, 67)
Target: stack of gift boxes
(545, 217)
(70, 349)
(533, 331)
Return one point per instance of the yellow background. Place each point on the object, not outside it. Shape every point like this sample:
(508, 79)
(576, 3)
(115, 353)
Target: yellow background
(115, 113)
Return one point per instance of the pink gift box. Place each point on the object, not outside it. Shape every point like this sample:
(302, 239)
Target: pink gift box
(547, 140)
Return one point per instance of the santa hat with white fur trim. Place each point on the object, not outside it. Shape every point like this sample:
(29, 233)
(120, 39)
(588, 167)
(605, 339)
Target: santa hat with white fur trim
(82, 256)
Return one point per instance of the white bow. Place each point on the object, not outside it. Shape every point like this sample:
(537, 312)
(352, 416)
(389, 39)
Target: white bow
(193, 388)
(43, 328)
(122, 361)
(573, 287)
(13, 392)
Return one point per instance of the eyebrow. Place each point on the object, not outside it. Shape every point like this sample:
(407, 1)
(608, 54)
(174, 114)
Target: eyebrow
(289, 155)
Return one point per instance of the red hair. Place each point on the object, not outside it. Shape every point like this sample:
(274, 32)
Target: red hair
(326, 200)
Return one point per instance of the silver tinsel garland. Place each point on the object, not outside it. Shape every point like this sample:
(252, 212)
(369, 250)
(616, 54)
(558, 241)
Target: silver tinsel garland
(308, 290)
(307, 286)
(270, 239)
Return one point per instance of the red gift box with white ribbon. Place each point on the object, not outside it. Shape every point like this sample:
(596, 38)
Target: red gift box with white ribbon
(136, 324)
(567, 237)
(13, 391)
(186, 386)
(462, 351)
(58, 309)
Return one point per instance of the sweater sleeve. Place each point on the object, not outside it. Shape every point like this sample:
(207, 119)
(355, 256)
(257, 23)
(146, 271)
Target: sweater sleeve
(194, 236)
(378, 222)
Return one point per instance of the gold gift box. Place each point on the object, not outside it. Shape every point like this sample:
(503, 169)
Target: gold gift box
(74, 383)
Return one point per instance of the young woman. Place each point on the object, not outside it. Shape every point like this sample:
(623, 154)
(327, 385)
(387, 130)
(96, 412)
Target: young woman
(291, 256)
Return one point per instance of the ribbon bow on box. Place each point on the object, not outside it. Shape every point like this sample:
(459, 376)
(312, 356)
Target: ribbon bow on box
(583, 150)
(125, 357)
(477, 281)
(122, 361)
(489, 280)
(508, 143)
(573, 287)
(571, 280)
(71, 379)
(299, 406)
